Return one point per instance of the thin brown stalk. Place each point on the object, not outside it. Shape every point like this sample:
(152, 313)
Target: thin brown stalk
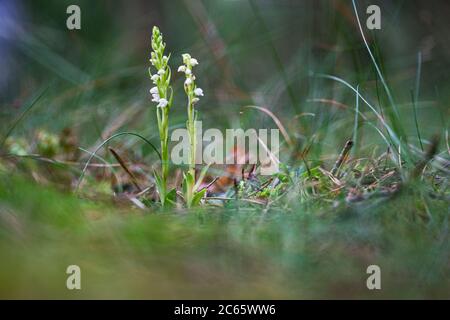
(342, 157)
(429, 154)
(125, 168)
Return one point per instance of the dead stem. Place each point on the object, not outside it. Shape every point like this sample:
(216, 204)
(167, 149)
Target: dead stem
(429, 154)
(125, 168)
(342, 157)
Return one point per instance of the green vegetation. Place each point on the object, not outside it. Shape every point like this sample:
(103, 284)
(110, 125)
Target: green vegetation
(364, 161)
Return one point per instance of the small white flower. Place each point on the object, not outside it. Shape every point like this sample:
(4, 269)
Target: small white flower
(195, 100)
(188, 71)
(182, 69)
(165, 58)
(198, 92)
(156, 97)
(162, 103)
(161, 72)
(186, 57)
(154, 90)
(155, 77)
(188, 81)
(153, 58)
(193, 62)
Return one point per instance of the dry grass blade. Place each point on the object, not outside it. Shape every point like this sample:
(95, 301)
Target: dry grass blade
(330, 102)
(125, 168)
(429, 154)
(255, 201)
(209, 184)
(342, 157)
(332, 177)
(23, 114)
(126, 116)
(277, 122)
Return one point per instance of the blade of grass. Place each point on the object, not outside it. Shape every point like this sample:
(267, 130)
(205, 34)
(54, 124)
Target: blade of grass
(355, 125)
(277, 122)
(415, 119)
(278, 62)
(415, 96)
(386, 88)
(395, 118)
(125, 168)
(394, 139)
(105, 142)
(109, 165)
(342, 157)
(31, 104)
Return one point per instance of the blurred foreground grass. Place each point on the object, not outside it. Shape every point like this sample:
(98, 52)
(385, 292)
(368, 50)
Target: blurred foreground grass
(226, 253)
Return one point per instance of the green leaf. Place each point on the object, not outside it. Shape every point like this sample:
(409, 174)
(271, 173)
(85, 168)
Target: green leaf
(188, 185)
(160, 187)
(170, 97)
(198, 196)
(201, 176)
(189, 179)
(171, 197)
(184, 185)
(158, 180)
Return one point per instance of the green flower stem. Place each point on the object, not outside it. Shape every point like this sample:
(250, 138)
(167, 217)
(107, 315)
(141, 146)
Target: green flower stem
(192, 137)
(161, 80)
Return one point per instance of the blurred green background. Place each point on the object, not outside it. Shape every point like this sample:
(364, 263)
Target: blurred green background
(265, 53)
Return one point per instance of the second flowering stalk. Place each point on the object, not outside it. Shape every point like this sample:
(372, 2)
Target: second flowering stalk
(193, 93)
